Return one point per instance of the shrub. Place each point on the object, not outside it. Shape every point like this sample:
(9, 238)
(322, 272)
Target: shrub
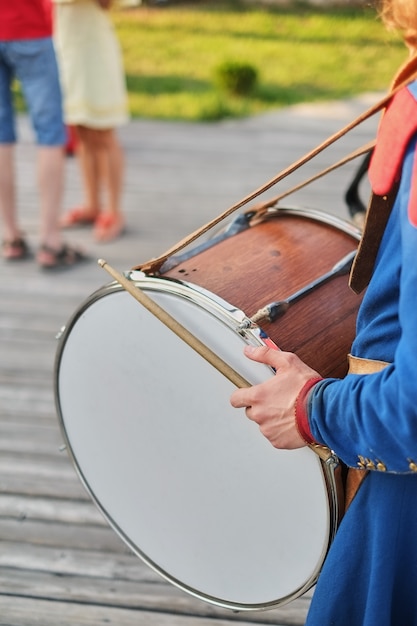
(236, 78)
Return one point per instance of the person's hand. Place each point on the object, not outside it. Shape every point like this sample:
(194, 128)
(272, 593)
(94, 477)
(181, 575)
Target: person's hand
(271, 404)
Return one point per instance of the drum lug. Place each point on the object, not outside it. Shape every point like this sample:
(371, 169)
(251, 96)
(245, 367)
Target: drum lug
(135, 275)
(332, 461)
(326, 455)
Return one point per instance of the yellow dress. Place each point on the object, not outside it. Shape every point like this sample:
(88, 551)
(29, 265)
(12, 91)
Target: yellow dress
(91, 65)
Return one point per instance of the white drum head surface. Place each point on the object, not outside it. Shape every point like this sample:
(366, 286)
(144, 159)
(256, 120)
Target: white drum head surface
(188, 481)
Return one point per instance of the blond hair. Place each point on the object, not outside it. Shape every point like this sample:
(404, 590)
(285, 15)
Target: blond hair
(400, 15)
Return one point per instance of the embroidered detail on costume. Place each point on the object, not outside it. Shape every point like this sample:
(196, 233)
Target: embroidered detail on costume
(381, 467)
(361, 462)
(412, 465)
(369, 464)
(397, 127)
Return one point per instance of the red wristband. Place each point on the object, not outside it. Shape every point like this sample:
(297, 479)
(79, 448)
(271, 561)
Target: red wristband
(301, 416)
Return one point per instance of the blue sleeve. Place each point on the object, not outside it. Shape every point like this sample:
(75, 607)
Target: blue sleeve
(371, 420)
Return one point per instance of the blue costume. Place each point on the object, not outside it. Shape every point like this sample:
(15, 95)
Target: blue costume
(370, 420)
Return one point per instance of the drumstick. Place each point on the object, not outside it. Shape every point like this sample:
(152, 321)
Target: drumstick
(224, 368)
(175, 326)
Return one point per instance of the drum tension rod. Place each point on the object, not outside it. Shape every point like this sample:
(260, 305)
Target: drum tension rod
(274, 310)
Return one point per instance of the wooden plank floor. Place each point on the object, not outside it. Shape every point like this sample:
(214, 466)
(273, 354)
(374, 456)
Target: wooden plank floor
(60, 563)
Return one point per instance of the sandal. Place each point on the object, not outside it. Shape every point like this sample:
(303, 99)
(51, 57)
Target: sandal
(67, 256)
(15, 250)
(78, 216)
(108, 226)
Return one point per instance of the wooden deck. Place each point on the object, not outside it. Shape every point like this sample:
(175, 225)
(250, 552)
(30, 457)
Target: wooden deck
(60, 563)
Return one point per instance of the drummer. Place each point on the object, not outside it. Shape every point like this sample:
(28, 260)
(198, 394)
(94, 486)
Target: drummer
(369, 418)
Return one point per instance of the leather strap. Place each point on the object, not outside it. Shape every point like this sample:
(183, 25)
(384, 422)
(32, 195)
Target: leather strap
(377, 216)
(404, 76)
(261, 209)
(379, 208)
(354, 479)
(153, 265)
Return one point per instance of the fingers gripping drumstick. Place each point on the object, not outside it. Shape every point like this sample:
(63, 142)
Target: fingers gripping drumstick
(324, 453)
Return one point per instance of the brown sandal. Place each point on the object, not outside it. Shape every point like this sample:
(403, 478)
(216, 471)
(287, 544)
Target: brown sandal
(15, 250)
(67, 256)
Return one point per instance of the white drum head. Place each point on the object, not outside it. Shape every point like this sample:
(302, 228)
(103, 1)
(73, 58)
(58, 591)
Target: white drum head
(188, 482)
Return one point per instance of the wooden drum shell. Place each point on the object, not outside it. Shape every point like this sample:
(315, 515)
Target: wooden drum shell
(275, 258)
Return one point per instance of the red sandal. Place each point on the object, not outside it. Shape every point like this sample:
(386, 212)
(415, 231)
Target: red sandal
(108, 226)
(78, 216)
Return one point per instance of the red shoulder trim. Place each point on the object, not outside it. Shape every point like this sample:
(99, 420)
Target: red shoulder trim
(398, 125)
(412, 201)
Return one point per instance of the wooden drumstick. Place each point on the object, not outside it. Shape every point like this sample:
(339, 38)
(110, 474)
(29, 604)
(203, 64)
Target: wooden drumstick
(175, 326)
(224, 368)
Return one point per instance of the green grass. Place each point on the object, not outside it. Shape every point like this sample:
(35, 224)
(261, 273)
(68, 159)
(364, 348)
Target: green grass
(301, 55)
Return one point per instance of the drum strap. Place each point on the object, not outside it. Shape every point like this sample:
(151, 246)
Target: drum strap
(355, 477)
(404, 76)
(377, 215)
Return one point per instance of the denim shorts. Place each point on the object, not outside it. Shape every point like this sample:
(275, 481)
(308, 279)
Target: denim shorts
(33, 63)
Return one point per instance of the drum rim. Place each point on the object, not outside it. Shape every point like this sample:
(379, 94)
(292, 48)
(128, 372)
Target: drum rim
(321, 216)
(231, 316)
(252, 218)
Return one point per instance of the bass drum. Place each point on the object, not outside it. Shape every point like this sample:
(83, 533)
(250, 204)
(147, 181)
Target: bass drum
(188, 482)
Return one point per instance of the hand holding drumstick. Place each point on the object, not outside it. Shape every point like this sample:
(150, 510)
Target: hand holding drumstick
(276, 403)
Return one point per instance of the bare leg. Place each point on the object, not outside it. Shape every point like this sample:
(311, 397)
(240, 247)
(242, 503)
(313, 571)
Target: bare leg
(90, 171)
(8, 211)
(51, 161)
(53, 252)
(102, 166)
(113, 171)
(103, 158)
(110, 223)
(107, 155)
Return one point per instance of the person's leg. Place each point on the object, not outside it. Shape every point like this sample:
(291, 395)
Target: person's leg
(110, 223)
(37, 70)
(102, 166)
(51, 162)
(11, 229)
(13, 246)
(113, 171)
(90, 170)
(88, 159)
(53, 252)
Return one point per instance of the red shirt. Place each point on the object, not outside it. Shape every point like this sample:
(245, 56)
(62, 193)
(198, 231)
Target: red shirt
(25, 19)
